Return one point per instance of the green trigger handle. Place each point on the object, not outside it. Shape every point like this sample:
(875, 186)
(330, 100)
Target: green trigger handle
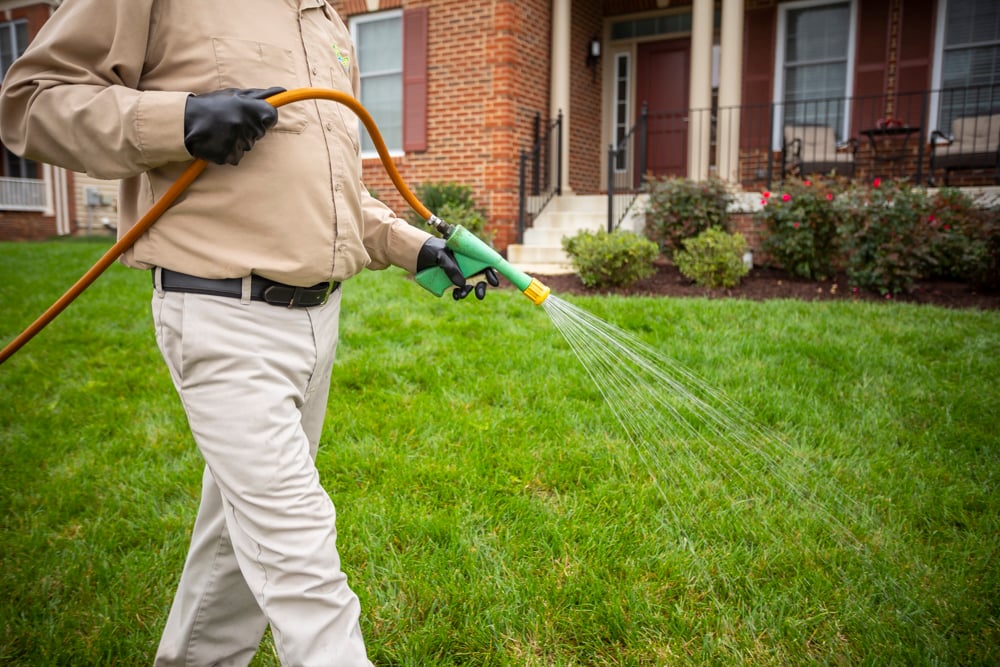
(473, 257)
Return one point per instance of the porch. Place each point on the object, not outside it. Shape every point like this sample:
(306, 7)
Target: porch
(929, 138)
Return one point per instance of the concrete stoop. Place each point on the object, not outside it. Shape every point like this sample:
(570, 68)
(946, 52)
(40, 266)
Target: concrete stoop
(541, 251)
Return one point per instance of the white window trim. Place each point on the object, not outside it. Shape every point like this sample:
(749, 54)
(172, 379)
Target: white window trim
(779, 63)
(937, 67)
(355, 21)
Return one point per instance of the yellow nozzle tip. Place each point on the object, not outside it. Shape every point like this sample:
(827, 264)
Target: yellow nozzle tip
(537, 292)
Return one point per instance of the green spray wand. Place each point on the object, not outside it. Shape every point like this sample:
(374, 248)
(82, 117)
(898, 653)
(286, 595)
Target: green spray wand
(473, 255)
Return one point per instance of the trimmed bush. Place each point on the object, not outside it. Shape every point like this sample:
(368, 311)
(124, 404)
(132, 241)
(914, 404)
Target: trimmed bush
(964, 240)
(618, 259)
(453, 203)
(680, 209)
(885, 236)
(713, 259)
(799, 228)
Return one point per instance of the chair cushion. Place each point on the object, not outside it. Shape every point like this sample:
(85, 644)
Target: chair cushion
(972, 134)
(818, 143)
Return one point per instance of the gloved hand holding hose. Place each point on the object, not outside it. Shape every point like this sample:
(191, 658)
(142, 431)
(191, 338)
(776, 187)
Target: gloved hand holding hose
(223, 125)
(435, 253)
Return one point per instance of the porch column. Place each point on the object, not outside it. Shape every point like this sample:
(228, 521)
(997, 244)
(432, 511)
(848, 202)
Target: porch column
(730, 91)
(559, 95)
(700, 94)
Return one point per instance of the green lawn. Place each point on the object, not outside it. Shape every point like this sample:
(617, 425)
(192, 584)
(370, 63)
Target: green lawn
(490, 509)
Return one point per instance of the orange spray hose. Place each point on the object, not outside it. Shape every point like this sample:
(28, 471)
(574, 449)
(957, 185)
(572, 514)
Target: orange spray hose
(186, 178)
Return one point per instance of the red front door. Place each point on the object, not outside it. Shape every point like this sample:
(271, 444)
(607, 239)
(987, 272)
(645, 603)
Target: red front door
(663, 70)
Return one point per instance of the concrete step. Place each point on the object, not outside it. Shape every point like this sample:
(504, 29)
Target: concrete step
(541, 250)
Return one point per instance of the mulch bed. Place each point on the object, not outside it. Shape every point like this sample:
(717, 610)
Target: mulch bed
(764, 283)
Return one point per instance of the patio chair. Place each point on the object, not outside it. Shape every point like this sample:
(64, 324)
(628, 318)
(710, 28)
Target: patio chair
(813, 149)
(974, 143)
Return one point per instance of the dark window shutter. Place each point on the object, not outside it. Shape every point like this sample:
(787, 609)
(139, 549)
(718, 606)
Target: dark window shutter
(415, 79)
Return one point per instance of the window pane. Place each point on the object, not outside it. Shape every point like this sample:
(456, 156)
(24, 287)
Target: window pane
(382, 96)
(971, 21)
(6, 47)
(380, 45)
(818, 33)
(815, 81)
(970, 65)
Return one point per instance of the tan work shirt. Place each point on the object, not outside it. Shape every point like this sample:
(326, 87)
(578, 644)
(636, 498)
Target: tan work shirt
(102, 90)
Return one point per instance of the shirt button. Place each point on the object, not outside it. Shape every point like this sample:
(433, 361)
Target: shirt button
(329, 127)
(315, 71)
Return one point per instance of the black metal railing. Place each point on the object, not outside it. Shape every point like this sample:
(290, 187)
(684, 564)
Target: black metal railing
(627, 169)
(542, 166)
(920, 136)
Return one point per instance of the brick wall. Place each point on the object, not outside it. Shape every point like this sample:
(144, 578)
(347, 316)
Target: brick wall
(26, 226)
(488, 74)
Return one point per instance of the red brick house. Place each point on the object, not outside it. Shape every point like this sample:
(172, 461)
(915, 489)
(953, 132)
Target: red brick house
(460, 88)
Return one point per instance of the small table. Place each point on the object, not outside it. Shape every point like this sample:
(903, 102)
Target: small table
(893, 150)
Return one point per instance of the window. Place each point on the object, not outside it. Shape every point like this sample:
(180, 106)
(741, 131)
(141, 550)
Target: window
(13, 40)
(378, 39)
(814, 64)
(622, 111)
(967, 67)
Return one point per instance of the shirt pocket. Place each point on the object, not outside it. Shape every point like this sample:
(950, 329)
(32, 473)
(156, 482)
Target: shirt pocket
(243, 63)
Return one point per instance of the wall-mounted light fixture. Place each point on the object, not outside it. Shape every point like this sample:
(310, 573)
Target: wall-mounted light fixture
(593, 55)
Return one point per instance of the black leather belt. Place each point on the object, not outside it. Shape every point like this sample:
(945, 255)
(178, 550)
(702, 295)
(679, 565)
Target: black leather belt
(261, 289)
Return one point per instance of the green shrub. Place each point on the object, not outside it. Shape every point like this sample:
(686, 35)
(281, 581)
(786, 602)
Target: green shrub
(714, 258)
(680, 209)
(885, 236)
(618, 259)
(964, 239)
(467, 216)
(453, 203)
(983, 267)
(799, 228)
(434, 195)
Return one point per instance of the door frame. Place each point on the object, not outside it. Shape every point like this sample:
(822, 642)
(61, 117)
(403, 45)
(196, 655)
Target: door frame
(628, 47)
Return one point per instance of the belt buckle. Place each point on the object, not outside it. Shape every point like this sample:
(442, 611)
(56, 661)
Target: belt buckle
(296, 297)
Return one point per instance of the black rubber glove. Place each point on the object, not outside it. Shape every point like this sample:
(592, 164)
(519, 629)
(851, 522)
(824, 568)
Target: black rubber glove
(435, 252)
(222, 125)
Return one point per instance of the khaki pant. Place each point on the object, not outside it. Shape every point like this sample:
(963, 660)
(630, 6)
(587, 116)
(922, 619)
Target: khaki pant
(254, 380)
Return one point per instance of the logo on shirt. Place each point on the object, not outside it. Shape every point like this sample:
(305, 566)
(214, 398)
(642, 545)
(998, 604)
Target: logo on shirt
(342, 58)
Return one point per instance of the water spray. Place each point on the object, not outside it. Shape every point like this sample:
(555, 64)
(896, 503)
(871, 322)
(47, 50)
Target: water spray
(472, 254)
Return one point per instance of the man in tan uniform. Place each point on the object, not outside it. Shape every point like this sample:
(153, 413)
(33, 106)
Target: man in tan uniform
(132, 90)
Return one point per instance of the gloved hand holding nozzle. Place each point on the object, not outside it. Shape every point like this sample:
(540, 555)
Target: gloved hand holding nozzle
(223, 125)
(435, 253)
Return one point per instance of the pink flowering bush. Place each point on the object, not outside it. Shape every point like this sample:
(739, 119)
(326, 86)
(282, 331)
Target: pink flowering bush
(799, 228)
(885, 236)
(964, 239)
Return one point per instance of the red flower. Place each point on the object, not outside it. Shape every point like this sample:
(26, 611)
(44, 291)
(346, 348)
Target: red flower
(930, 219)
(763, 202)
(829, 196)
(786, 197)
(795, 225)
(807, 183)
(947, 228)
(766, 194)
(877, 182)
